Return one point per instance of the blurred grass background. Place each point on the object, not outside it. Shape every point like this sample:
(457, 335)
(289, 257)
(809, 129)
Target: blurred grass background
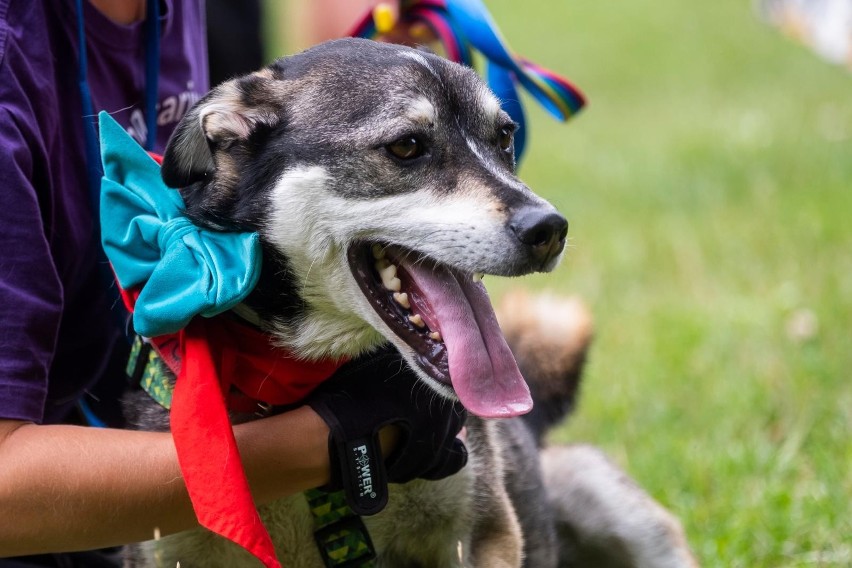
(709, 189)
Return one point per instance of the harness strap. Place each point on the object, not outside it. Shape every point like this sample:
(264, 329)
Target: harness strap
(340, 534)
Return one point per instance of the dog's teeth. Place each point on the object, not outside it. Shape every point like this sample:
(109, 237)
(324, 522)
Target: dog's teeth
(477, 277)
(417, 320)
(388, 272)
(378, 252)
(381, 264)
(436, 335)
(401, 298)
(388, 276)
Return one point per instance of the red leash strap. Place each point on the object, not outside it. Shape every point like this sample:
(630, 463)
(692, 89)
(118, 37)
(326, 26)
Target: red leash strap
(214, 477)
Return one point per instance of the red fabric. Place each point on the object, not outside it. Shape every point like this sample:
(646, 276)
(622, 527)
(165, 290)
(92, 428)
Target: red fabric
(210, 356)
(250, 362)
(207, 451)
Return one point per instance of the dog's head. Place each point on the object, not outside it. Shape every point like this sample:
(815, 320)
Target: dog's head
(381, 180)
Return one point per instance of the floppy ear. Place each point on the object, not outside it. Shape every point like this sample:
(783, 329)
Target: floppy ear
(188, 157)
(223, 118)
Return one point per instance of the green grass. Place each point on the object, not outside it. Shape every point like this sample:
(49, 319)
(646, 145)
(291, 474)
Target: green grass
(709, 189)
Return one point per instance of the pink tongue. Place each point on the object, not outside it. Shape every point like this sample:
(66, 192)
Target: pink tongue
(483, 370)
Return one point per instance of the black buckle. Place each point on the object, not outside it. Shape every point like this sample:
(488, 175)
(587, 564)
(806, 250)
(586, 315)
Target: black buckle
(354, 525)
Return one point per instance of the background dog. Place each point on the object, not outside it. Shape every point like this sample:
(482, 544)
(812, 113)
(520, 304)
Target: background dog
(381, 180)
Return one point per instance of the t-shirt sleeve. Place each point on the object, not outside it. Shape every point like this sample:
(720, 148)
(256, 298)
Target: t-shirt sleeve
(30, 289)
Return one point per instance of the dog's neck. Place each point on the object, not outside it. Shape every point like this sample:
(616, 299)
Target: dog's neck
(311, 332)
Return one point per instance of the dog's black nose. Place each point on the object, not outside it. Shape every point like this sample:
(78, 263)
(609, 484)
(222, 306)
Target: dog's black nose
(543, 230)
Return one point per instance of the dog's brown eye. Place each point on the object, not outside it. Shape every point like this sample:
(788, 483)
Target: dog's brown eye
(406, 148)
(505, 139)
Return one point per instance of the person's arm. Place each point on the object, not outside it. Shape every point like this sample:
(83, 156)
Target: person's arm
(65, 488)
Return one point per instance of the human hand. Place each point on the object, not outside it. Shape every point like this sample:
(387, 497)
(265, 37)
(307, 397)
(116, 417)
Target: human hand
(365, 397)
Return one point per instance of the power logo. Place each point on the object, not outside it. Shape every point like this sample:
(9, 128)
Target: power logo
(364, 471)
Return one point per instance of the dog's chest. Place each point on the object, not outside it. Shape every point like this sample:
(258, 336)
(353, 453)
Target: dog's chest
(422, 525)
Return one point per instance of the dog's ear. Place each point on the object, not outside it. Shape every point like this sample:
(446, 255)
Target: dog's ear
(225, 117)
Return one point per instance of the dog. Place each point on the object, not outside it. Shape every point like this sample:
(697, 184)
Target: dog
(381, 181)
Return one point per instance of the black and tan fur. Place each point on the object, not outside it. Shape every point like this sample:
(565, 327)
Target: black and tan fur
(299, 152)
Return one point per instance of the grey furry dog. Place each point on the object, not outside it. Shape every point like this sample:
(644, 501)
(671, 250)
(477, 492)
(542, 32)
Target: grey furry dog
(381, 181)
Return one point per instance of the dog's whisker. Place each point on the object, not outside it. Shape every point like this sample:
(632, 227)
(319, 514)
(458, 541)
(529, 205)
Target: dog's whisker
(306, 279)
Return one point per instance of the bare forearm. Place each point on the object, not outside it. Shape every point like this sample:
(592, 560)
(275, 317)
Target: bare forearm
(73, 488)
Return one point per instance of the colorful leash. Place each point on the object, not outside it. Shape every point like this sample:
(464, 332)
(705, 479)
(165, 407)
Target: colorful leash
(460, 26)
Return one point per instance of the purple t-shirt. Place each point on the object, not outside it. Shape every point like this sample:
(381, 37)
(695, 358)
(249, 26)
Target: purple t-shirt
(58, 338)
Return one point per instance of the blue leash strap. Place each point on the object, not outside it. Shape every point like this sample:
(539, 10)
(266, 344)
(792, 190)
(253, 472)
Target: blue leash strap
(503, 82)
(93, 154)
(94, 169)
(152, 71)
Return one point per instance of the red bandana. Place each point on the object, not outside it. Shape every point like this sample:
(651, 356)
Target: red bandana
(211, 357)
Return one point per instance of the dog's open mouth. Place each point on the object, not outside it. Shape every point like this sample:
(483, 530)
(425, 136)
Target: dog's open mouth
(445, 316)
